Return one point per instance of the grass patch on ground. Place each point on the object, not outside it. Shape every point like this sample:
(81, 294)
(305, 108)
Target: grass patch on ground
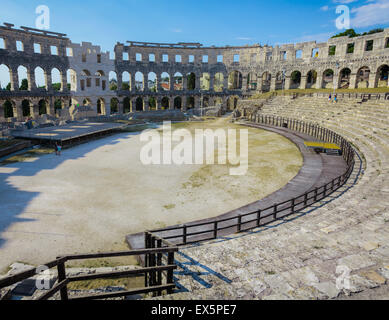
(267, 95)
(25, 156)
(128, 283)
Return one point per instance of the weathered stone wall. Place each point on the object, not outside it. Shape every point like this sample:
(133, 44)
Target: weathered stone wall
(221, 75)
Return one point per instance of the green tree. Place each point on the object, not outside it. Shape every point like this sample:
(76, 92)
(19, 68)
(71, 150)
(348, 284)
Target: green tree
(24, 85)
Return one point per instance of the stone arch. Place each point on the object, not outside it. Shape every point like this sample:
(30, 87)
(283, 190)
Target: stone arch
(139, 81)
(113, 81)
(295, 79)
(205, 102)
(363, 75)
(101, 106)
(9, 109)
(56, 79)
(252, 81)
(152, 82)
(152, 103)
(344, 78)
(266, 81)
(42, 106)
(5, 78)
(165, 81)
(232, 103)
(178, 81)
(87, 102)
(191, 81)
(190, 102)
(165, 103)
(58, 105)
(205, 81)
(279, 81)
(328, 79)
(218, 101)
(40, 78)
(382, 76)
(139, 104)
(23, 78)
(311, 78)
(235, 80)
(26, 111)
(71, 76)
(178, 103)
(126, 105)
(114, 105)
(126, 81)
(218, 84)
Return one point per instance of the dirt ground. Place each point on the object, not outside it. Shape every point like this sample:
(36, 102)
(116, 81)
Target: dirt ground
(93, 195)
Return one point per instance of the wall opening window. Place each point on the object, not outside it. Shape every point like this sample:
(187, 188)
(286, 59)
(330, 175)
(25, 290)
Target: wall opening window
(219, 58)
(205, 59)
(350, 48)
(386, 43)
(19, 46)
(98, 58)
(2, 43)
(178, 58)
(126, 56)
(369, 45)
(88, 82)
(315, 53)
(165, 58)
(69, 52)
(331, 50)
(236, 58)
(138, 57)
(82, 83)
(84, 57)
(253, 58)
(269, 56)
(191, 58)
(151, 57)
(37, 48)
(54, 50)
(299, 54)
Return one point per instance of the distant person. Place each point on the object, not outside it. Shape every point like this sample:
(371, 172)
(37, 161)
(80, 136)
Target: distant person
(58, 149)
(330, 98)
(336, 99)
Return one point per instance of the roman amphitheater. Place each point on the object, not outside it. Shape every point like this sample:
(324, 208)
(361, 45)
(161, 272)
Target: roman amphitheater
(302, 224)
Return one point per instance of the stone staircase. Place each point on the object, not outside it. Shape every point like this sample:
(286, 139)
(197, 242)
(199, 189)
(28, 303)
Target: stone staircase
(335, 249)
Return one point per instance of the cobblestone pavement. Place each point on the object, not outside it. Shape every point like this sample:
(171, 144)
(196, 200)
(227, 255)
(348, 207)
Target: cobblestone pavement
(338, 249)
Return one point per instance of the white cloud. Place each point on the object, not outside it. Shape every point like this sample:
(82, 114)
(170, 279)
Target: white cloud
(374, 13)
(243, 38)
(344, 1)
(325, 8)
(319, 37)
(176, 30)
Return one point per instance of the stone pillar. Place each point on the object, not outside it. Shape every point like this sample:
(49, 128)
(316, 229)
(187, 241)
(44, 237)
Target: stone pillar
(120, 106)
(197, 102)
(373, 80)
(64, 82)
(319, 81)
(303, 82)
(183, 103)
(35, 109)
(353, 80)
(31, 80)
(225, 82)
(211, 82)
(133, 105)
(146, 104)
(197, 83)
(132, 83)
(185, 82)
(14, 80)
(159, 103)
(273, 84)
(171, 103)
(18, 110)
(287, 83)
(159, 83)
(171, 82)
(49, 84)
(119, 81)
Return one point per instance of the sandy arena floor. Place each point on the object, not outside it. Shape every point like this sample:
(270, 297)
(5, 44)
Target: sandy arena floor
(88, 199)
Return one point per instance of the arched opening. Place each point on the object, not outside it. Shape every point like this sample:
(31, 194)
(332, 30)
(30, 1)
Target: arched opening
(101, 106)
(232, 103)
(42, 107)
(191, 81)
(218, 84)
(382, 75)
(295, 79)
(114, 104)
(178, 81)
(22, 75)
(126, 105)
(328, 79)
(126, 81)
(5, 78)
(56, 81)
(87, 102)
(152, 82)
(252, 81)
(139, 81)
(8, 109)
(190, 103)
(205, 102)
(99, 81)
(205, 81)
(178, 103)
(113, 81)
(165, 81)
(58, 105)
(165, 103)
(152, 104)
(26, 108)
(311, 78)
(344, 78)
(40, 78)
(235, 80)
(139, 104)
(266, 81)
(218, 102)
(363, 75)
(71, 76)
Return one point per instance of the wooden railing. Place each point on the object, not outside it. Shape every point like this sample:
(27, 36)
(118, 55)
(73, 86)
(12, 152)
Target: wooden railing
(158, 275)
(193, 233)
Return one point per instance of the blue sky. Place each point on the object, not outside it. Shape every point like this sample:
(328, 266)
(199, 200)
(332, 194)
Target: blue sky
(211, 22)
